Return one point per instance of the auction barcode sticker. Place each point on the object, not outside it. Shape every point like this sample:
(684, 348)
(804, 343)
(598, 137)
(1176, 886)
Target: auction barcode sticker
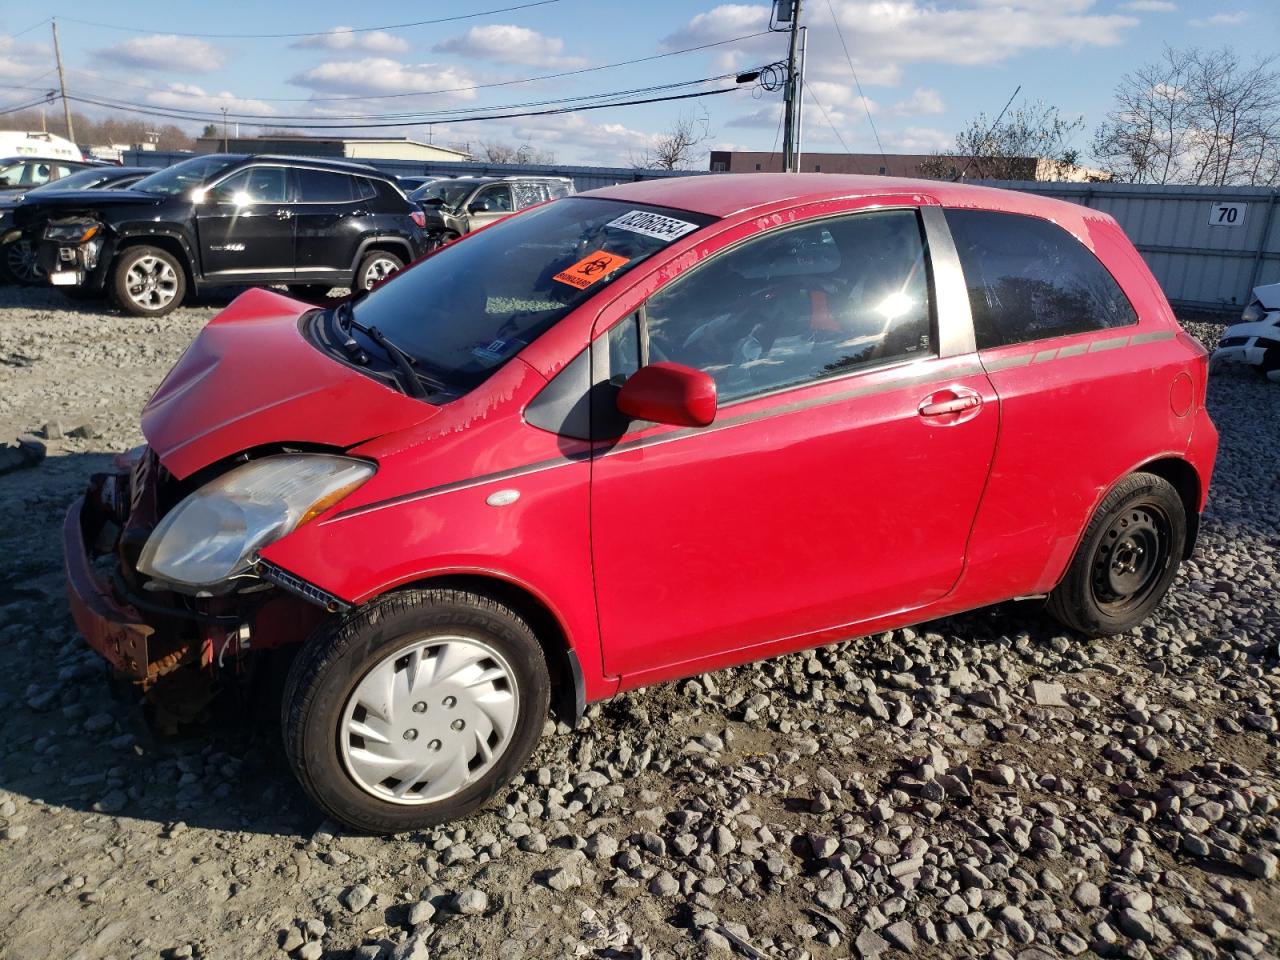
(653, 225)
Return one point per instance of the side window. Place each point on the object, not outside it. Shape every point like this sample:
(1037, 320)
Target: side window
(365, 189)
(254, 185)
(624, 350)
(800, 304)
(556, 189)
(527, 193)
(37, 173)
(1029, 279)
(322, 186)
(498, 197)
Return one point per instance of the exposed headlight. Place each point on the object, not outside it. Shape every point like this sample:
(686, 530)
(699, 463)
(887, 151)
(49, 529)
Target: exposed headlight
(212, 535)
(72, 231)
(1252, 313)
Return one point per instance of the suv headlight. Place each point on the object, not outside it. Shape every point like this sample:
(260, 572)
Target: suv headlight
(72, 231)
(213, 534)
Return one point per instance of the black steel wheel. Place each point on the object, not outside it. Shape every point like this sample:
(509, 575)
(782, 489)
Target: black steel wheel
(1126, 560)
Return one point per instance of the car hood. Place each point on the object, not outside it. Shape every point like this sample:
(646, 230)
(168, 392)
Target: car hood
(79, 199)
(251, 379)
(1268, 295)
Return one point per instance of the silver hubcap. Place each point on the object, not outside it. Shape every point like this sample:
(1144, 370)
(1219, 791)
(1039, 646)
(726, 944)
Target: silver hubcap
(21, 260)
(429, 720)
(151, 283)
(378, 270)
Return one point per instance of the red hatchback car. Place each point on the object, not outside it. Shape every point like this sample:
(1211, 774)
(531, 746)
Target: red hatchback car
(638, 434)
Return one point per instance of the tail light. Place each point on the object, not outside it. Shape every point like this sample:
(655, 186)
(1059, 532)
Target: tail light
(419, 218)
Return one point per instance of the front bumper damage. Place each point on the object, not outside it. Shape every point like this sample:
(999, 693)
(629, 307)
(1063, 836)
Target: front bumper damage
(150, 635)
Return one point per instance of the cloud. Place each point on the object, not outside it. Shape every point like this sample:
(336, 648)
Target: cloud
(373, 76)
(190, 97)
(1149, 6)
(922, 100)
(764, 117)
(507, 43)
(166, 52)
(20, 61)
(1233, 19)
(346, 38)
(919, 140)
(884, 35)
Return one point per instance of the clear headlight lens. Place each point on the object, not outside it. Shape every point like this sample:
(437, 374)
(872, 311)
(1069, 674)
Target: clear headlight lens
(1252, 313)
(213, 534)
(71, 231)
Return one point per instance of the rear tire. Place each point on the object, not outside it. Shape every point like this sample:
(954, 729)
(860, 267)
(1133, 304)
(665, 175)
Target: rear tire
(374, 268)
(18, 264)
(1126, 560)
(415, 709)
(148, 281)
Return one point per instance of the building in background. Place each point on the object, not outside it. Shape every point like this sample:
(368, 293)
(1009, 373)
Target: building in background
(935, 166)
(350, 148)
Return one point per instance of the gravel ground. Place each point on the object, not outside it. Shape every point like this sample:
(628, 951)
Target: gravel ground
(979, 786)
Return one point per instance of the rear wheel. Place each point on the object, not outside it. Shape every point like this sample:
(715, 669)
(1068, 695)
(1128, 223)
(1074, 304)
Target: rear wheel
(414, 710)
(148, 281)
(1127, 559)
(376, 267)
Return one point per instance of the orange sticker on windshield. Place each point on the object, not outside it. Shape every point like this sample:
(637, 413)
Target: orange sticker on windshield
(592, 267)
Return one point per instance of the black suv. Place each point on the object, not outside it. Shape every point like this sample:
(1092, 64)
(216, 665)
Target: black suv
(224, 219)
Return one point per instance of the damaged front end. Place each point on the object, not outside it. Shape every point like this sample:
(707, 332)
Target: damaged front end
(178, 642)
(72, 249)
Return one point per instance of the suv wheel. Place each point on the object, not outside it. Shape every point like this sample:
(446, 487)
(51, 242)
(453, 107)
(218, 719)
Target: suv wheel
(414, 710)
(148, 281)
(1127, 559)
(376, 267)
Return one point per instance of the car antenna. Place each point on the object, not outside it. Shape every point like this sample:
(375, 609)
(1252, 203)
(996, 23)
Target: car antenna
(994, 123)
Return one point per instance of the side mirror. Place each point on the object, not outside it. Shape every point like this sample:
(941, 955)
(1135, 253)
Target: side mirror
(669, 393)
(478, 207)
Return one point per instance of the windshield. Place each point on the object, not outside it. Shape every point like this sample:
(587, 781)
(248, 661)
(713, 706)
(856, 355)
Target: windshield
(74, 181)
(183, 176)
(465, 311)
(451, 192)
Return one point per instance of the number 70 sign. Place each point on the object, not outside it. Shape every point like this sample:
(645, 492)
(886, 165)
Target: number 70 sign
(1227, 214)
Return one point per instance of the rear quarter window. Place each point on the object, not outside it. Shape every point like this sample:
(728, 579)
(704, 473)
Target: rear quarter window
(1029, 279)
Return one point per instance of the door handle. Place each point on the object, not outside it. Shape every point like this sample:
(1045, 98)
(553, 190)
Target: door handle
(950, 405)
(283, 214)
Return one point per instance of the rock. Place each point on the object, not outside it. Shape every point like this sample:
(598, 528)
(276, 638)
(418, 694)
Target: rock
(470, 902)
(291, 939)
(421, 912)
(902, 935)
(14, 832)
(869, 944)
(1046, 694)
(562, 879)
(664, 885)
(1086, 895)
(1136, 924)
(112, 802)
(415, 948)
(1259, 864)
(357, 897)
(311, 951)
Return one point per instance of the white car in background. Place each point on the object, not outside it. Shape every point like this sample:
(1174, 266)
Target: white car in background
(1255, 340)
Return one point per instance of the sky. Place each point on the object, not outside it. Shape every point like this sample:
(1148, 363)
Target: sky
(925, 67)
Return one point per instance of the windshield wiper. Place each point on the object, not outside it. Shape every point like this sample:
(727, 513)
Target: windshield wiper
(403, 360)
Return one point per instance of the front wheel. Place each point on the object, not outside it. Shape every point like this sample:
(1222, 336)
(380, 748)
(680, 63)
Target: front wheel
(376, 267)
(148, 281)
(414, 710)
(1127, 559)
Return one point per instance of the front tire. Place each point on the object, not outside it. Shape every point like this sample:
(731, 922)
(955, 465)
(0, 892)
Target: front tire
(376, 267)
(148, 281)
(1127, 559)
(415, 709)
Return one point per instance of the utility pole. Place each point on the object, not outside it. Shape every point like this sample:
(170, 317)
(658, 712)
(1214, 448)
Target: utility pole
(790, 94)
(62, 84)
(224, 130)
(804, 59)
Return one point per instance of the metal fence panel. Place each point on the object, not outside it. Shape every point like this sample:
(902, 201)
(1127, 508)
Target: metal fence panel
(1198, 265)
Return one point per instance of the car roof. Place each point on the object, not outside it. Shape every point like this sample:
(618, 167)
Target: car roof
(315, 163)
(726, 194)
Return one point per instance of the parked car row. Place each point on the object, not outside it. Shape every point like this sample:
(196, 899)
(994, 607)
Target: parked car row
(219, 220)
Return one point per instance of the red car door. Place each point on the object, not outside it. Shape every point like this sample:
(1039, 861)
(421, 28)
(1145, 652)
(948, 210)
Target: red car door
(840, 478)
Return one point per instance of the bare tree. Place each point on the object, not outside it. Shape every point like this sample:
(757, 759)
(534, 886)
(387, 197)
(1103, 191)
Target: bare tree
(1195, 117)
(495, 151)
(677, 147)
(1012, 147)
(112, 129)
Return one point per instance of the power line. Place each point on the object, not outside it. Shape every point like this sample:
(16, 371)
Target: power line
(315, 33)
(852, 69)
(412, 123)
(26, 106)
(14, 36)
(428, 93)
(416, 116)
